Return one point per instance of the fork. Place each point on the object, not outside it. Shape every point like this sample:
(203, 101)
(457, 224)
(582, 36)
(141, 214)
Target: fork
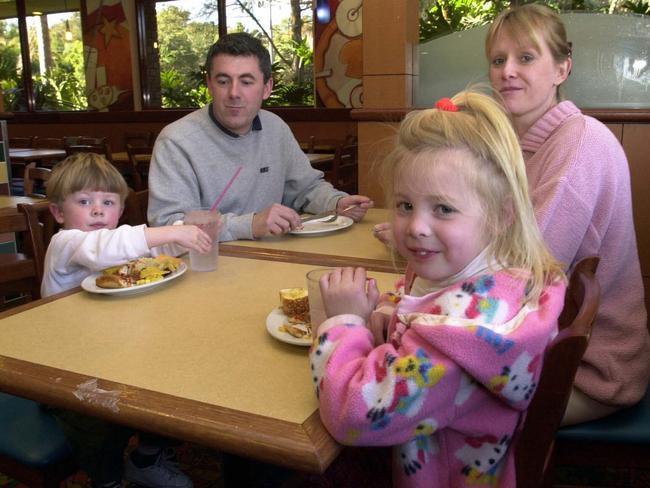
(334, 215)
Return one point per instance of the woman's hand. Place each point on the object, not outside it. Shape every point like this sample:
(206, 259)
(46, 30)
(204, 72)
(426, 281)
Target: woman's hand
(384, 233)
(348, 290)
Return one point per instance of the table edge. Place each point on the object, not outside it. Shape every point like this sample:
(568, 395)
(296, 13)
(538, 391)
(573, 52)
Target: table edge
(304, 447)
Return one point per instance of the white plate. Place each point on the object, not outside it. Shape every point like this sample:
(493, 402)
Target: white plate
(88, 284)
(273, 322)
(318, 227)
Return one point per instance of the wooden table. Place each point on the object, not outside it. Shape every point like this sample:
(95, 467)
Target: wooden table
(354, 246)
(315, 158)
(11, 202)
(191, 359)
(123, 157)
(29, 155)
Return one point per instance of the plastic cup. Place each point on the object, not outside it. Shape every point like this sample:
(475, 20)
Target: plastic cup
(316, 308)
(208, 221)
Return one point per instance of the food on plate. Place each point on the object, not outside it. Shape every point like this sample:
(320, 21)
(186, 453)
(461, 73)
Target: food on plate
(138, 272)
(295, 305)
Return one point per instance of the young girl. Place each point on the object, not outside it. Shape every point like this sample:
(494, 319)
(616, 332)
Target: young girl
(87, 196)
(450, 381)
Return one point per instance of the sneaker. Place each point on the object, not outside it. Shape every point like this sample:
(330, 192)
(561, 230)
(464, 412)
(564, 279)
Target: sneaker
(164, 473)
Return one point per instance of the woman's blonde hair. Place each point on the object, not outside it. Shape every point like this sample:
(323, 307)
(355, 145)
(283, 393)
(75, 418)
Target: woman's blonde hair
(496, 171)
(85, 171)
(535, 24)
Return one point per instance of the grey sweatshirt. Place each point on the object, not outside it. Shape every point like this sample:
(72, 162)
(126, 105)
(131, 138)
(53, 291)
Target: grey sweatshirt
(193, 160)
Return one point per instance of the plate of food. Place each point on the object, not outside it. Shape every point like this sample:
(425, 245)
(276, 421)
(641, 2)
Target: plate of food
(136, 276)
(290, 321)
(319, 226)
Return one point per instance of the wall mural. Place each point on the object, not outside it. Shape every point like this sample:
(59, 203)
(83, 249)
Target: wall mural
(107, 52)
(338, 56)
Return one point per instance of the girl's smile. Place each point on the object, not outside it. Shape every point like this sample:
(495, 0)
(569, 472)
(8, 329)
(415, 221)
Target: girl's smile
(438, 221)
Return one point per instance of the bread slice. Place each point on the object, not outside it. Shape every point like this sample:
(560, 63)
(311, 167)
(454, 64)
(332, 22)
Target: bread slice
(112, 281)
(295, 304)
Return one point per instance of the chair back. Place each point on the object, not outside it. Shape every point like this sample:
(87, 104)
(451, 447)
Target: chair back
(345, 168)
(535, 441)
(135, 208)
(34, 180)
(140, 159)
(21, 272)
(97, 145)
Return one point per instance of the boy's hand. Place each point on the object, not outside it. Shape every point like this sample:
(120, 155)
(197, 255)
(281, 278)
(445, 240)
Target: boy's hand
(192, 237)
(347, 290)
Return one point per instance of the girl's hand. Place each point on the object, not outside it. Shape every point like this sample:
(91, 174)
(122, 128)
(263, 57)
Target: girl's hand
(347, 290)
(384, 233)
(192, 237)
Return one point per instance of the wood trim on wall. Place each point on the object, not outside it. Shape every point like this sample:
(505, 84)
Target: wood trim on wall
(602, 114)
(288, 114)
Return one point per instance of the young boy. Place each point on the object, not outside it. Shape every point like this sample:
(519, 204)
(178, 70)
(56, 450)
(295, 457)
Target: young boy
(87, 197)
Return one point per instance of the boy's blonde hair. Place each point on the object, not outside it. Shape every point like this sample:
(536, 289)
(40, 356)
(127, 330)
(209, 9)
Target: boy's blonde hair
(535, 24)
(496, 171)
(85, 171)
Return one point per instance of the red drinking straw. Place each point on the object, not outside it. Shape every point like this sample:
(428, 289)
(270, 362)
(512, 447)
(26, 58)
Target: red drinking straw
(223, 193)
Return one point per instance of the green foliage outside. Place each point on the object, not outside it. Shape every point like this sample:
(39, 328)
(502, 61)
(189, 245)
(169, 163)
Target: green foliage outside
(182, 69)
(439, 17)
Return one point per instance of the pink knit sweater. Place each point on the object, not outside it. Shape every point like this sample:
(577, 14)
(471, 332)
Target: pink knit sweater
(580, 186)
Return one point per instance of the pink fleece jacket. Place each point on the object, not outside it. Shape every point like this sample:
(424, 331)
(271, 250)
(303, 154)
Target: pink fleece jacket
(449, 387)
(580, 187)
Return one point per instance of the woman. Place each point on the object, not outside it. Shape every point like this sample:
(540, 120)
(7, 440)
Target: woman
(580, 187)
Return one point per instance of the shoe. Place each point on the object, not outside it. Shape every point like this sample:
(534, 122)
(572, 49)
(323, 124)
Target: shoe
(164, 473)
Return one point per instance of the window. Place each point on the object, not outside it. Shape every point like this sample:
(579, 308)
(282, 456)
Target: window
(48, 74)
(184, 30)
(610, 70)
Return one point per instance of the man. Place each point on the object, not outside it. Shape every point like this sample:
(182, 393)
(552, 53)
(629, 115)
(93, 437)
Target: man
(196, 156)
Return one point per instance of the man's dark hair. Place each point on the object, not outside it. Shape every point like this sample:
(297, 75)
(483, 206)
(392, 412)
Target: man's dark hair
(241, 44)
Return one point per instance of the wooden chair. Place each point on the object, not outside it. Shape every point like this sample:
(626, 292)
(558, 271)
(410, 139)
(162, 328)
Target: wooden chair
(534, 443)
(21, 272)
(140, 158)
(20, 142)
(136, 139)
(98, 145)
(35, 178)
(135, 208)
(345, 169)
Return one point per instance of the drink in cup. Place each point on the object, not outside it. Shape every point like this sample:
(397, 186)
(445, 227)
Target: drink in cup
(316, 308)
(208, 220)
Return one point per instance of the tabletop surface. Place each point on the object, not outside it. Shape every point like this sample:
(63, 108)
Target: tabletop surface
(353, 245)
(11, 201)
(200, 339)
(30, 153)
(319, 157)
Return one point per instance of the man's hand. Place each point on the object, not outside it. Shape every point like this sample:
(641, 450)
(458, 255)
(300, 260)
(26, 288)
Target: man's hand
(275, 220)
(384, 233)
(361, 206)
(346, 290)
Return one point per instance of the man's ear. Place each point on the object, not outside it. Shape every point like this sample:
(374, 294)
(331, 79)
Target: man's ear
(56, 211)
(268, 88)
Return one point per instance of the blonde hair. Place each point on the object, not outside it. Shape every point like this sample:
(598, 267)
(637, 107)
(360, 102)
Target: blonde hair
(85, 171)
(535, 24)
(496, 171)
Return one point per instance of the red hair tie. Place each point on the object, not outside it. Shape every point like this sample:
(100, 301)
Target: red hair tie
(447, 105)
